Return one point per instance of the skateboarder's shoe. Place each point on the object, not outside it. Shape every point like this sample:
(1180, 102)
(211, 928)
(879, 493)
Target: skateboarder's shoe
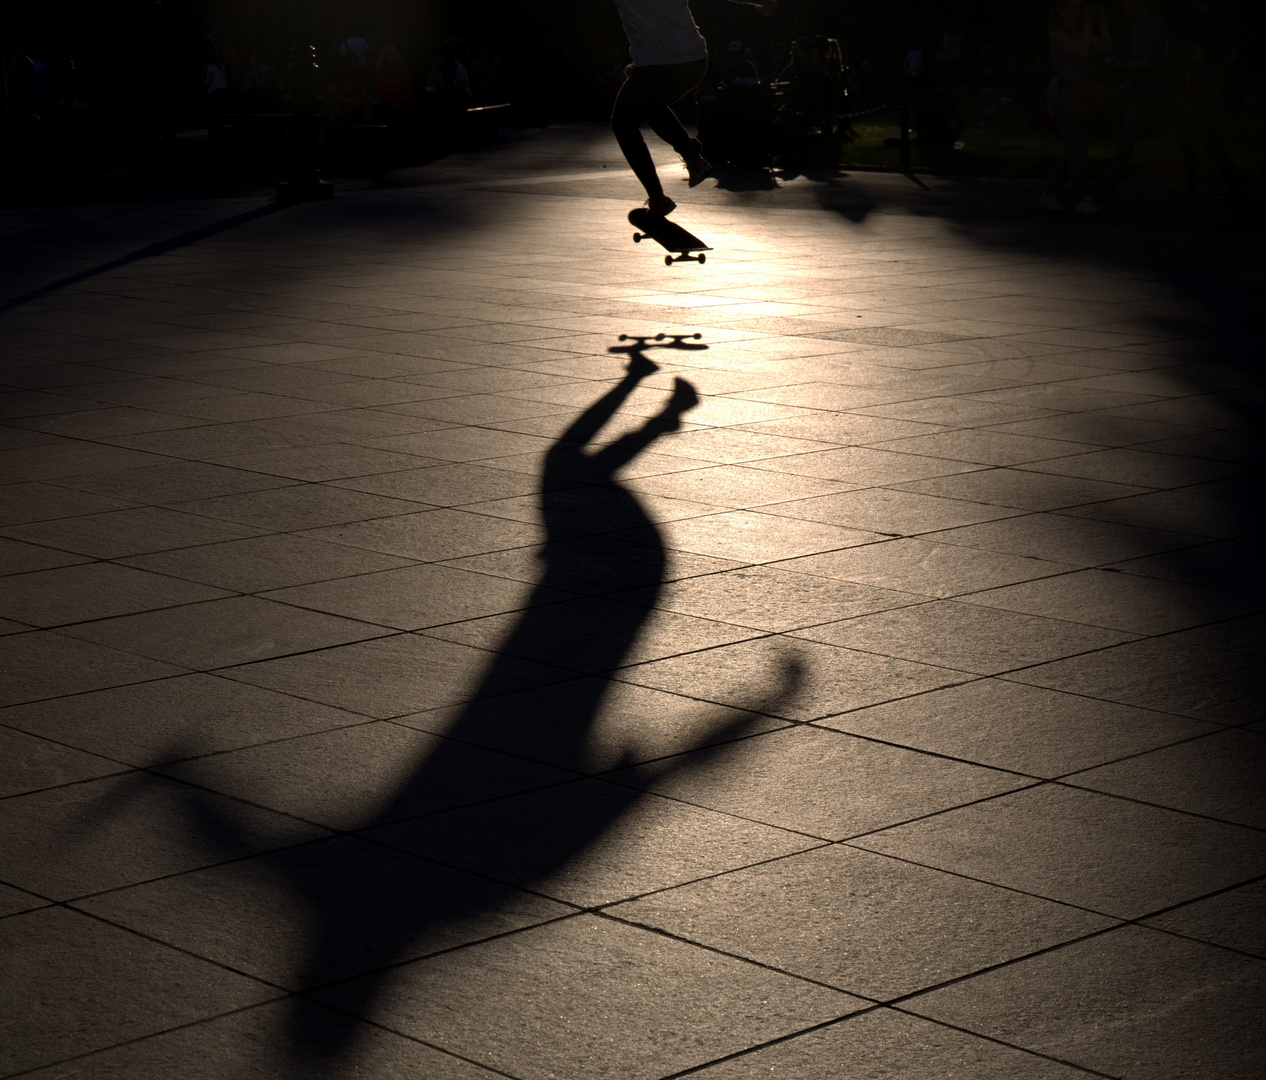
(660, 205)
(698, 169)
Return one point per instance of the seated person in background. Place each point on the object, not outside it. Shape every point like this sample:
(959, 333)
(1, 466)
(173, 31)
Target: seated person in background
(348, 94)
(485, 77)
(262, 88)
(734, 67)
(354, 43)
(936, 123)
(394, 86)
(448, 85)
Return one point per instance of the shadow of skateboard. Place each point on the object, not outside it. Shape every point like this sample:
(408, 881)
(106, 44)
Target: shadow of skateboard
(668, 235)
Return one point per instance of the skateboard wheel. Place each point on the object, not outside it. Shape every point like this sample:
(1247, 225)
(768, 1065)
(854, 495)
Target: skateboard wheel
(702, 258)
(637, 238)
(668, 260)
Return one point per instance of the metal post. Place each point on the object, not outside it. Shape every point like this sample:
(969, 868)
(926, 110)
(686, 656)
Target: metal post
(305, 183)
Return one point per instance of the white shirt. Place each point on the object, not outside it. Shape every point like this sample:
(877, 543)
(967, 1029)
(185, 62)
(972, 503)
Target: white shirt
(661, 32)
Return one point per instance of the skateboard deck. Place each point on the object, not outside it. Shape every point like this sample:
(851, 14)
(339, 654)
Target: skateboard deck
(668, 235)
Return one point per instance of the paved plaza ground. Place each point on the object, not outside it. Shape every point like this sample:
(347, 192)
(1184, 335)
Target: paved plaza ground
(440, 641)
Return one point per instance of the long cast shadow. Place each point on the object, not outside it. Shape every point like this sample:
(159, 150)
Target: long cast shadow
(371, 906)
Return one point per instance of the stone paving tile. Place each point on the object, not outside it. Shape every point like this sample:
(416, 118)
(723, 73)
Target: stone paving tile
(591, 725)
(120, 533)
(25, 502)
(1181, 1010)
(1184, 511)
(739, 487)
(1121, 858)
(861, 466)
(1023, 490)
(102, 423)
(461, 444)
(74, 594)
(259, 563)
(980, 447)
(1026, 729)
(767, 598)
(394, 675)
(884, 1040)
(337, 426)
(985, 641)
(323, 463)
(447, 485)
(1220, 564)
(595, 565)
(431, 535)
(1118, 601)
(1067, 539)
(749, 536)
(78, 984)
(954, 411)
(498, 1002)
(17, 557)
(236, 630)
(1231, 919)
(1218, 775)
(589, 842)
(728, 447)
(849, 429)
(891, 512)
(261, 1043)
(1207, 684)
(418, 597)
(306, 506)
(818, 782)
(167, 719)
(374, 907)
(1128, 466)
(15, 901)
(827, 915)
(69, 457)
(39, 665)
(28, 763)
(84, 838)
(338, 778)
(816, 680)
(1245, 635)
(923, 567)
(587, 634)
(173, 482)
(591, 510)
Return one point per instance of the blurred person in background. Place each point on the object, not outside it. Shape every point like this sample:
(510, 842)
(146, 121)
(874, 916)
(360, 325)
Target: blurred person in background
(1150, 105)
(1211, 55)
(1080, 40)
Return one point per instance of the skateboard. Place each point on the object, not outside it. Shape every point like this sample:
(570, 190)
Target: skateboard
(668, 235)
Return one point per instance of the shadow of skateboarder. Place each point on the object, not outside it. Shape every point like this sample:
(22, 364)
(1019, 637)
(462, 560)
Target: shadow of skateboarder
(368, 903)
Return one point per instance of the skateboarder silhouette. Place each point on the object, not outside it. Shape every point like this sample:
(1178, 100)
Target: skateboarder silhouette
(669, 59)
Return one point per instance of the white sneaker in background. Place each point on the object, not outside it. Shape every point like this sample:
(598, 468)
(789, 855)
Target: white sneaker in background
(1087, 206)
(1049, 201)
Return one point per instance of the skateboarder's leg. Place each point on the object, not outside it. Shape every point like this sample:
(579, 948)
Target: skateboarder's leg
(631, 108)
(645, 97)
(675, 82)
